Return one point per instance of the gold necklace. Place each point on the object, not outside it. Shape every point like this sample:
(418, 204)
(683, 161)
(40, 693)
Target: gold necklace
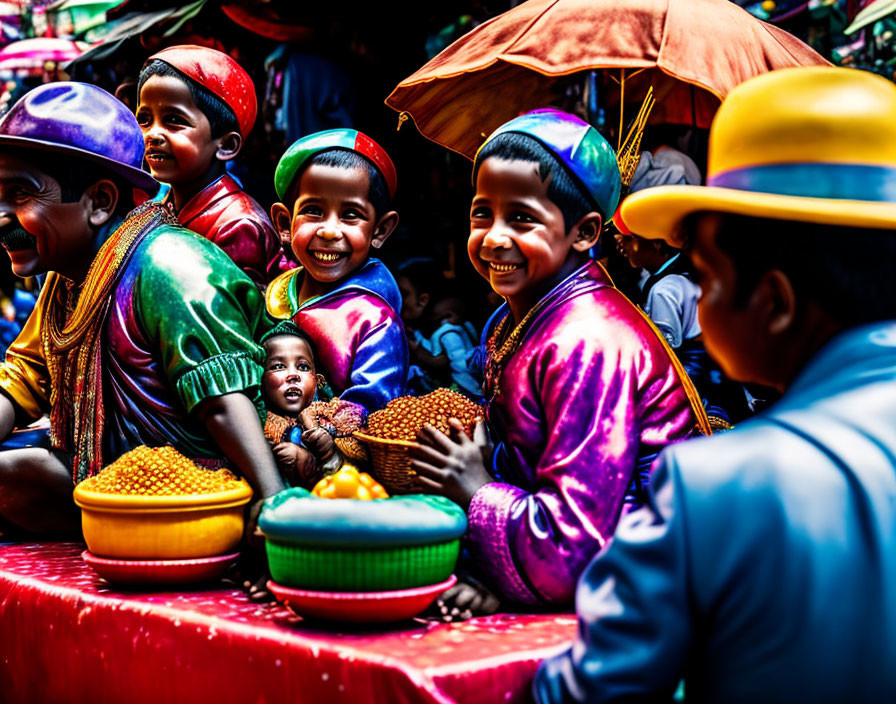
(496, 357)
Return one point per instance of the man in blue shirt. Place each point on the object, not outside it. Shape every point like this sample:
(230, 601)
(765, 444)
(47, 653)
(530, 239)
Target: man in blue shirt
(763, 567)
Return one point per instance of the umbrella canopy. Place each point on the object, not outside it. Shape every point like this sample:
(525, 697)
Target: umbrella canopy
(33, 53)
(693, 52)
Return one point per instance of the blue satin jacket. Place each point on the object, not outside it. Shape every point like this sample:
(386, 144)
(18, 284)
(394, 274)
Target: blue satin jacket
(359, 339)
(764, 567)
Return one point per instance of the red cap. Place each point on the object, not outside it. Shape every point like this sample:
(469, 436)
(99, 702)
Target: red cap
(217, 72)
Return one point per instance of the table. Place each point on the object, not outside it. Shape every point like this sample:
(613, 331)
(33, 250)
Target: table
(68, 636)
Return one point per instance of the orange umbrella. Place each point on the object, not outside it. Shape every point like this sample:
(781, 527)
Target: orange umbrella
(693, 52)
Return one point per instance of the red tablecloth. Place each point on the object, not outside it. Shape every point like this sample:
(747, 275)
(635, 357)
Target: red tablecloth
(67, 636)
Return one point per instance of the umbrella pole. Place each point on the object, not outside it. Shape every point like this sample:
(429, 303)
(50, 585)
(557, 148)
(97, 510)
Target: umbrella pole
(621, 108)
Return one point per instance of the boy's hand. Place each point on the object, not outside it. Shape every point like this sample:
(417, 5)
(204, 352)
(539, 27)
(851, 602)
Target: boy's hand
(295, 463)
(454, 465)
(466, 599)
(320, 442)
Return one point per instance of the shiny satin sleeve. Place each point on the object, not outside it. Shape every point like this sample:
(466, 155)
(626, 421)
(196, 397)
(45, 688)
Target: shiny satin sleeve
(203, 315)
(253, 247)
(23, 375)
(635, 617)
(582, 391)
(379, 368)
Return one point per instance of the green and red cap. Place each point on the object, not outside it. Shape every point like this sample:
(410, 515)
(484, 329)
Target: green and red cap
(301, 151)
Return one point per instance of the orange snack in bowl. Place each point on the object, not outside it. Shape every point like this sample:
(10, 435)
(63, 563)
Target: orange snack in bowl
(403, 417)
(349, 483)
(159, 471)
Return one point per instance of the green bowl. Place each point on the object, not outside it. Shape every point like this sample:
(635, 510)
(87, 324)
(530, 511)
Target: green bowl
(363, 569)
(349, 545)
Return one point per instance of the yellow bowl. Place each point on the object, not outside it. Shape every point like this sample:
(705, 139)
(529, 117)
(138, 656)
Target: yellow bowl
(162, 527)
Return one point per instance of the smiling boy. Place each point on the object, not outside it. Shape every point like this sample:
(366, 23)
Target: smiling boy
(582, 392)
(336, 187)
(196, 107)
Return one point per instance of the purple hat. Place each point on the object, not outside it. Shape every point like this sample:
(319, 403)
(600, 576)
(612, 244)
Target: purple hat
(83, 121)
(587, 156)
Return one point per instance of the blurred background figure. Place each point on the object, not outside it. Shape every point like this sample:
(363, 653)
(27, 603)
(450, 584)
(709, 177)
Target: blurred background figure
(668, 290)
(441, 340)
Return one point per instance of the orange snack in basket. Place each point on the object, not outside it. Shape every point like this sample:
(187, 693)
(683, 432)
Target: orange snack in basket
(404, 417)
(349, 483)
(158, 471)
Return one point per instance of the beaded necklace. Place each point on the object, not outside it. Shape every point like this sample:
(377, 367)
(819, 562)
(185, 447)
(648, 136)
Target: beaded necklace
(72, 341)
(497, 357)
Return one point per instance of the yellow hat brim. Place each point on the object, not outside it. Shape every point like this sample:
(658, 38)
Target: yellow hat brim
(657, 213)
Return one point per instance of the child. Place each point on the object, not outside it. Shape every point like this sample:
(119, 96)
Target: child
(196, 107)
(582, 393)
(668, 295)
(335, 187)
(441, 344)
(764, 566)
(301, 429)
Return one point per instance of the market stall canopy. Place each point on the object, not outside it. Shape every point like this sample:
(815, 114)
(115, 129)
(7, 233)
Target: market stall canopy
(85, 14)
(130, 26)
(692, 52)
(34, 53)
(260, 18)
(877, 10)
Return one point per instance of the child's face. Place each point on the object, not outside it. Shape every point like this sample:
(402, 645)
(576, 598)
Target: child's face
(179, 145)
(288, 382)
(412, 303)
(518, 239)
(333, 222)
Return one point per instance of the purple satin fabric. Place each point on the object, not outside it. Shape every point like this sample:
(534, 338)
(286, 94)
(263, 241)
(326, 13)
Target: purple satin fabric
(590, 390)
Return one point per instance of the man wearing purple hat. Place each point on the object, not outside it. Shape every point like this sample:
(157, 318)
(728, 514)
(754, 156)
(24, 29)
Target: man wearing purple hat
(143, 333)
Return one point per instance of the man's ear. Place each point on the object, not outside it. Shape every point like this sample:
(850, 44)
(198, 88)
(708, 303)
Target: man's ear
(102, 198)
(385, 226)
(587, 232)
(282, 219)
(776, 301)
(229, 146)
(423, 300)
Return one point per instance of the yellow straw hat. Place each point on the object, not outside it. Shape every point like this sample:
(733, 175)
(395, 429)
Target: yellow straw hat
(807, 144)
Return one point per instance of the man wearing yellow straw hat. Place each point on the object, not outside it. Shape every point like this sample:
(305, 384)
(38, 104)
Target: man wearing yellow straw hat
(763, 567)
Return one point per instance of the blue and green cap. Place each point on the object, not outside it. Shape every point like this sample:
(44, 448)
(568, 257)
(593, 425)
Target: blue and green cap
(587, 156)
(298, 154)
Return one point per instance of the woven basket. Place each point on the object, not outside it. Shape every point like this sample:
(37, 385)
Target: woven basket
(391, 463)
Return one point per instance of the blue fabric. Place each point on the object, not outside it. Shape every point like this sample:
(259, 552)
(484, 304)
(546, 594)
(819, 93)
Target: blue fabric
(373, 278)
(763, 567)
(844, 181)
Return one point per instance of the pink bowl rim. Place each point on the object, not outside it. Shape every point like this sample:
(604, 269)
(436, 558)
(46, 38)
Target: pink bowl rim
(92, 559)
(362, 596)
